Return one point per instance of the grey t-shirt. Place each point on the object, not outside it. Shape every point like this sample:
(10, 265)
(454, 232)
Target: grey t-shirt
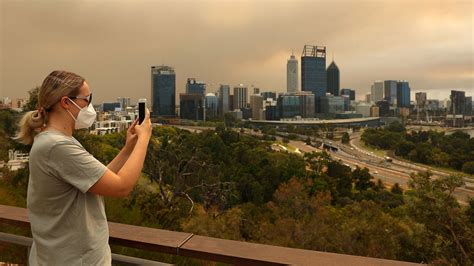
(68, 223)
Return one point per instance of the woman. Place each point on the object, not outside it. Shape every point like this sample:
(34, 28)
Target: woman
(67, 184)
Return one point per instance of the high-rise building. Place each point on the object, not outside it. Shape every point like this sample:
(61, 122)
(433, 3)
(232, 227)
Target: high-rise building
(212, 104)
(403, 94)
(109, 107)
(347, 102)
(256, 104)
(224, 105)
(313, 72)
(240, 96)
(191, 106)
(458, 102)
(292, 74)
(349, 92)
(163, 91)
(331, 104)
(269, 95)
(384, 107)
(288, 105)
(368, 97)
(193, 86)
(124, 102)
(390, 91)
(468, 108)
(332, 77)
(256, 91)
(377, 91)
(306, 104)
(420, 98)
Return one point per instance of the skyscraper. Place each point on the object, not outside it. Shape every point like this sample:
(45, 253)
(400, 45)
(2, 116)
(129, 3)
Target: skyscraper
(390, 91)
(191, 106)
(332, 76)
(377, 91)
(256, 103)
(349, 92)
(212, 104)
(313, 72)
(163, 91)
(403, 94)
(292, 74)
(224, 105)
(240, 96)
(458, 102)
(193, 86)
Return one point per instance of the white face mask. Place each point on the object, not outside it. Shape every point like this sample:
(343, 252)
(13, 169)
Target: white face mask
(86, 116)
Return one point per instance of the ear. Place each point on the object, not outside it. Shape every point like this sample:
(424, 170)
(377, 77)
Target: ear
(64, 102)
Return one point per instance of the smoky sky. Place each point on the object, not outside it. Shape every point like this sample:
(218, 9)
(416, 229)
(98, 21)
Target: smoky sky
(113, 44)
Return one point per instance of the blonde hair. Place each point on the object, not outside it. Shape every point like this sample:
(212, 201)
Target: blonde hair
(54, 87)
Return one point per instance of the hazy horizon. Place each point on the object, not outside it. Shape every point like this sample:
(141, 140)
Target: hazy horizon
(113, 44)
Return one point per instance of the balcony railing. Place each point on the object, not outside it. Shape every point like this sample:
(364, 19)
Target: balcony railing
(199, 247)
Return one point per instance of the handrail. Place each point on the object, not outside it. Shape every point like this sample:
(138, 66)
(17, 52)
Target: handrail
(126, 260)
(208, 248)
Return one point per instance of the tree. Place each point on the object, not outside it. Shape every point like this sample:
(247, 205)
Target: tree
(362, 179)
(345, 138)
(468, 167)
(431, 202)
(396, 189)
(32, 103)
(396, 127)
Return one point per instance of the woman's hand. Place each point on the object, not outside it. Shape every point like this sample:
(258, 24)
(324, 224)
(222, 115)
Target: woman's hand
(143, 130)
(132, 136)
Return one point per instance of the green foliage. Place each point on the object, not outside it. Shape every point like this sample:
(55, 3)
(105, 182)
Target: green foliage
(432, 204)
(468, 167)
(229, 185)
(32, 103)
(428, 147)
(345, 138)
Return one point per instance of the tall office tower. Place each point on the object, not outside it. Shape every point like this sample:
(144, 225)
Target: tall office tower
(458, 102)
(421, 103)
(212, 105)
(331, 104)
(349, 92)
(368, 97)
(195, 87)
(384, 107)
(269, 95)
(332, 76)
(191, 106)
(468, 108)
(377, 91)
(313, 72)
(256, 91)
(240, 96)
(403, 94)
(163, 91)
(306, 104)
(256, 104)
(224, 105)
(292, 74)
(124, 102)
(420, 98)
(390, 91)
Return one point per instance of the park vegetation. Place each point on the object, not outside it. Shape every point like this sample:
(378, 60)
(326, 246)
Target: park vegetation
(226, 184)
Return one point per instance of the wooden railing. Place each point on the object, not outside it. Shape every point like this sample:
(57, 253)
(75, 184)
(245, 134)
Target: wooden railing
(208, 248)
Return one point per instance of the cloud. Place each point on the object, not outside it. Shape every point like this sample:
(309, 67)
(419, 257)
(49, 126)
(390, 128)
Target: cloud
(114, 43)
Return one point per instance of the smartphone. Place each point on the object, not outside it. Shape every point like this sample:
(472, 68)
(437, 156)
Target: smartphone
(141, 110)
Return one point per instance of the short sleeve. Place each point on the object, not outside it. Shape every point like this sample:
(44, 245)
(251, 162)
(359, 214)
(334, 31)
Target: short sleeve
(76, 166)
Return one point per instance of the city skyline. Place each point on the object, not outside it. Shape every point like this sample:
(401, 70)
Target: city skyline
(433, 52)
